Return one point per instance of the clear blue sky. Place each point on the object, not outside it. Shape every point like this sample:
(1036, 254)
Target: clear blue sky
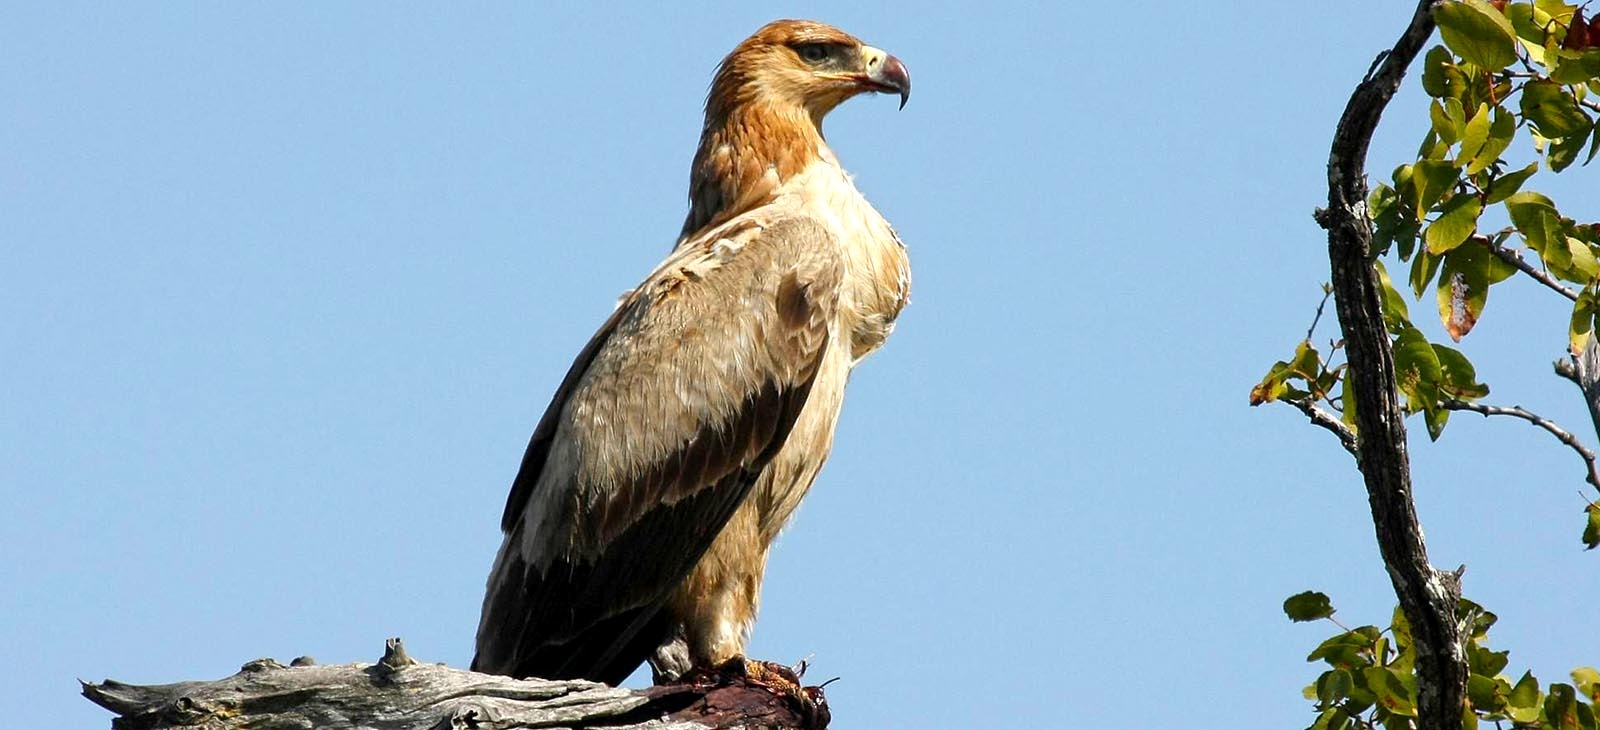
(284, 290)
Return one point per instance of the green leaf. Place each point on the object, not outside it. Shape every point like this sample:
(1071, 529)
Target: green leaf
(1334, 685)
(1447, 130)
(1273, 386)
(1391, 691)
(1308, 606)
(1552, 110)
(1557, 258)
(1418, 372)
(1331, 719)
(1537, 220)
(1523, 703)
(1433, 178)
(1391, 225)
(1348, 649)
(1563, 152)
(1584, 266)
(1458, 219)
(1478, 33)
(1459, 379)
(1521, 17)
(1435, 80)
(1587, 680)
(1463, 289)
(1479, 620)
(1488, 663)
(1498, 137)
(1500, 269)
(1574, 67)
(1560, 707)
(1401, 627)
(1473, 136)
(1307, 362)
(1591, 529)
(1522, 203)
(1347, 399)
(1484, 693)
(1586, 718)
(1395, 314)
(1433, 148)
(1508, 184)
(1581, 324)
(1423, 267)
(1414, 360)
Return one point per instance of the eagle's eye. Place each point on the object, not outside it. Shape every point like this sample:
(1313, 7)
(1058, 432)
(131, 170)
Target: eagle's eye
(813, 52)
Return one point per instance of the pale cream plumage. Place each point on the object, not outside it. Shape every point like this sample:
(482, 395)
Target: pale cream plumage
(689, 429)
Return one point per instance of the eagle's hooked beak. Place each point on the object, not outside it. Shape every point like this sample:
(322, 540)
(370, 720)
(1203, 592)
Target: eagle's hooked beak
(885, 74)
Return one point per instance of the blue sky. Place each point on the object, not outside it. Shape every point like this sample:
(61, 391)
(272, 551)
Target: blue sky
(285, 290)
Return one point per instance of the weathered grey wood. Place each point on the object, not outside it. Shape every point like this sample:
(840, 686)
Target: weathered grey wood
(399, 693)
(1429, 597)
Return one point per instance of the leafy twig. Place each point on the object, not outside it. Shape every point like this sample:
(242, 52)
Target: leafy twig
(1515, 259)
(1561, 434)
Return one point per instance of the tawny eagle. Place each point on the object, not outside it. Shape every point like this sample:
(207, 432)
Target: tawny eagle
(687, 431)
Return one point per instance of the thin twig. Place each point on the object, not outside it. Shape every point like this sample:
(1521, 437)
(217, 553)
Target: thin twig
(1515, 259)
(1561, 434)
(1324, 419)
(1327, 291)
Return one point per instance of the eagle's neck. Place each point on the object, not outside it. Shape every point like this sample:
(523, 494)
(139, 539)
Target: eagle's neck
(747, 151)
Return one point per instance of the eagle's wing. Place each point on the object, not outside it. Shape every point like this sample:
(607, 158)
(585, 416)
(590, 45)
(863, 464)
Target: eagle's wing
(654, 438)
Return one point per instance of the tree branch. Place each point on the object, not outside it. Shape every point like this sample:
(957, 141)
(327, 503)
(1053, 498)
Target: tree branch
(1540, 275)
(398, 693)
(1584, 372)
(1324, 419)
(1428, 597)
(1552, 427)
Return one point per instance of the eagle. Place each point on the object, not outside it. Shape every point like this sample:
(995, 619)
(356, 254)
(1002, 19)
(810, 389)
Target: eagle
(689, 428)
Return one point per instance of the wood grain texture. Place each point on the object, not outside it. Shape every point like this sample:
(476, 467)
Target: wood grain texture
(399, 693)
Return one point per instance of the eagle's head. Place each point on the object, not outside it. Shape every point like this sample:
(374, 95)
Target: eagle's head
(764, 113)
(803, 65)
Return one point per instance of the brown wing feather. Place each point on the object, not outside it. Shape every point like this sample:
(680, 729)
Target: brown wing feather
(652, 441)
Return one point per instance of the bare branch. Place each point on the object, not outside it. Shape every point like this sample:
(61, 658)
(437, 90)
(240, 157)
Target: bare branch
(1429, 597)
(399, 693)
(1515, 259)
(1324, 419)
(1561, 434)
(1327, 291)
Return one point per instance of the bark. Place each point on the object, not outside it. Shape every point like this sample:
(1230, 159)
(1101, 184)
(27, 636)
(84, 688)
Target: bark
(1584, 371)
(1428, 597)
(400, 693)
